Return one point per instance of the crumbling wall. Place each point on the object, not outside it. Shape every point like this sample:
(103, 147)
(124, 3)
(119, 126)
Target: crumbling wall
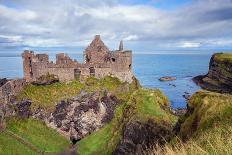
(102, 72)
(64, 74)
(122, 61)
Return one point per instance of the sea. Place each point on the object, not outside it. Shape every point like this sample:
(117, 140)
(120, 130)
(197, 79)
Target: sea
(147, 68)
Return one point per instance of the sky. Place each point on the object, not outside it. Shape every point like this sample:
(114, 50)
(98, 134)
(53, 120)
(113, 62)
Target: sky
(145, 26)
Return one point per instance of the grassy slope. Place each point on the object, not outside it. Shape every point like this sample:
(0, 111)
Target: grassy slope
(208, 128)
(10, 146)
(47, 96)
(223, 57)
(38, 134)
(143, 104)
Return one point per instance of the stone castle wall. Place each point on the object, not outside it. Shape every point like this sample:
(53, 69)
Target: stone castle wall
(98, 62)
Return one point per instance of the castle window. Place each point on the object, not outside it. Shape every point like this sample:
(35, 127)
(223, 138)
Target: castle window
(130, 66)
(113, 59)
(92, 71)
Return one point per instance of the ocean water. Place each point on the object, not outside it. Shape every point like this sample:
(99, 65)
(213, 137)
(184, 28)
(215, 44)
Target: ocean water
(148, 68)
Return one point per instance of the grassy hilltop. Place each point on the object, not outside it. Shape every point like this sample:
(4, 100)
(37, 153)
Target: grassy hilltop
(205, 129)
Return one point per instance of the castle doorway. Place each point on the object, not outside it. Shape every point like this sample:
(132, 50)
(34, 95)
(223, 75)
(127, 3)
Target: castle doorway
(92, 71)
(77, 73)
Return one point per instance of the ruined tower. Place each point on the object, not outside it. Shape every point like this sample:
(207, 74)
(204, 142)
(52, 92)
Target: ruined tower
(27, 65)
(121, 46)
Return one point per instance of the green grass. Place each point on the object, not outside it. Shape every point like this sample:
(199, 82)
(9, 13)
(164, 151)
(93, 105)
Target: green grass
(38, 134)
(143, 104)
(10, 146)
(148, 103)
(223, 57)
(208, 129)
(47, 96)
(210, 109)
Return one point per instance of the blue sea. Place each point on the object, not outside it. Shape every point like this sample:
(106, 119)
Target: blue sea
(148, 68)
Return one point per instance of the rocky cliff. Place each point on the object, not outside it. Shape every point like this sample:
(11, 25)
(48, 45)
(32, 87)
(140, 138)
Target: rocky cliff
(219, 77)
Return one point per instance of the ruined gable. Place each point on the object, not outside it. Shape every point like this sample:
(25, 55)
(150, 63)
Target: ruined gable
(96, 52)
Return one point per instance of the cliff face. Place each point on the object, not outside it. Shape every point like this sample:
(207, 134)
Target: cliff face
(219, 77)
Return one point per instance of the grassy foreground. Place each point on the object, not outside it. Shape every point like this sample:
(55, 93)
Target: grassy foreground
(36, 133)
(207, 130)
(143, 104)
(10, 146)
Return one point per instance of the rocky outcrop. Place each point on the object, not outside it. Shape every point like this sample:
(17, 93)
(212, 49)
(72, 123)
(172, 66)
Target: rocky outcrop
(3, 81)
(9, 89)
(219, 77)
(139, 136)
(20, 109)
(23, 109)
(82, 114)
(167, 78)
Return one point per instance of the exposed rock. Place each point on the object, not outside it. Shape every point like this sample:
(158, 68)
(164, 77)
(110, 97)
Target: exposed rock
(186, 95)
(219, 77)
(23, 109)
(167, 78)
(179, 111)
(173, 85)
(83, 114)
(139, 136)
(3, 81)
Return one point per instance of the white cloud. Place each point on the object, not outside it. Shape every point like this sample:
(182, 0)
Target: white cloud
(75, 22)
(189, 45)
(131, 37)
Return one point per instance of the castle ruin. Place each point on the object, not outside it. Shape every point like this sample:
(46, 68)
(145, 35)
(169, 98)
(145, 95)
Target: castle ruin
(99, 62)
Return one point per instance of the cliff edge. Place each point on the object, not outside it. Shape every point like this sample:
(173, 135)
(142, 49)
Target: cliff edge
(219, 77)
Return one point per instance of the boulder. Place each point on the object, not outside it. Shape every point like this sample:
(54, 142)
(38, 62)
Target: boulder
(167, 78)
(23, 109)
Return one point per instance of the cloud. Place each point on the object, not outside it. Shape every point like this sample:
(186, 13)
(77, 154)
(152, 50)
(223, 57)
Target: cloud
(131, 37)
(189, 45)
(74, 23)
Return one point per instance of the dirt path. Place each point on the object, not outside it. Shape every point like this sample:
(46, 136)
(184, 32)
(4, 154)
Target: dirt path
(69, 151)
(23, 141)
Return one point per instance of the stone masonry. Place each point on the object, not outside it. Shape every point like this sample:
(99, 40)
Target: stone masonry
(99, 61)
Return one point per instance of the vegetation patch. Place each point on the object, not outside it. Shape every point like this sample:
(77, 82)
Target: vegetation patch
(223, 57)
(47, 96)
(38, 134)
(10, 146)
(206, 129)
